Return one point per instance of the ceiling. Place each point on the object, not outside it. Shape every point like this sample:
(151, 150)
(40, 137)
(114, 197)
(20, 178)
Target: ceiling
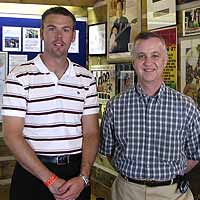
(86, 3)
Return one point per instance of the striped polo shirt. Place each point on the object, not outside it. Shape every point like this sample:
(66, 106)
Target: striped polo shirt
(52, 107)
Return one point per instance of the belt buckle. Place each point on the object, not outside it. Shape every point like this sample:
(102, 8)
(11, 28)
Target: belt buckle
(62, 160)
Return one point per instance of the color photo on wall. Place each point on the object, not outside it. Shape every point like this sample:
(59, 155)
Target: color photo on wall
(190, 69)
(124, 23)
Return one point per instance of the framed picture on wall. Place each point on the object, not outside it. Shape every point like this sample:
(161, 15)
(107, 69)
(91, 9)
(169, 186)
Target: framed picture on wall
(161, 13)
(191, 21)
(124, 23)
(190, 68)
(97, 39)
(126, 80)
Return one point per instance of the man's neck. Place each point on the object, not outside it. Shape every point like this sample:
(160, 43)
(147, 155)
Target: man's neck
(150, 89)
(56, 65)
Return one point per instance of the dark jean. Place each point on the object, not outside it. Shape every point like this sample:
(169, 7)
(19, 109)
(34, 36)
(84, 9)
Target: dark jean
(25, 186)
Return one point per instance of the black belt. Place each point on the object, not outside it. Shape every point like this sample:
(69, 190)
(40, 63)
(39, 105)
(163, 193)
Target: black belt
(60, 160)
(151, 183)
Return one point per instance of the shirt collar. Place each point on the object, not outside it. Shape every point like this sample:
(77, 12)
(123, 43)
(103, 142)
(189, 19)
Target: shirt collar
(43, 69)
(157, 96)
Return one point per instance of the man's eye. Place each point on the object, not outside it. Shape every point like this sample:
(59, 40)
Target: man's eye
(155, 56)
(67, 30)
(140, 56)
(51, 29)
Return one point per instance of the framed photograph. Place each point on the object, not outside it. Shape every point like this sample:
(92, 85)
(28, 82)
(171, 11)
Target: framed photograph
(97, 39)
(121, 83)
(160, 13)
(190, 68)
(170, 71)
(126, 80)
(191, 21)
(124, 23)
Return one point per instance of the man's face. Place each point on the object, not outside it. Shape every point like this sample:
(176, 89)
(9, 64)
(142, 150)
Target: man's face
(150, 60)
(57, 33)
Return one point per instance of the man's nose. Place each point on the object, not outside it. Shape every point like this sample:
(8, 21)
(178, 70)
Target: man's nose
(147, 60)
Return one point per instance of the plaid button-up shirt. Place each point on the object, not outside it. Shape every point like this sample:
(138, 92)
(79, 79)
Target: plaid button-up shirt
(151, 137)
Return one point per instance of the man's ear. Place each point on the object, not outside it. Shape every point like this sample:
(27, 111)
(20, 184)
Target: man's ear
(41, 33)
(74, 36)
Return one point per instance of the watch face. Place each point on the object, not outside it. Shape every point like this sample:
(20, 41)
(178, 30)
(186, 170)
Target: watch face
(85, 179)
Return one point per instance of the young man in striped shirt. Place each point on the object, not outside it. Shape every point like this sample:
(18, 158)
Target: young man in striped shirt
(151, 133)
(50, 118)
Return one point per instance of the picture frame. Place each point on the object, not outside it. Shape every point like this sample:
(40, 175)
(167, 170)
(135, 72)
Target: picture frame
(161, 13)
(123, 24)
(191, 21)
(190, 73)
(126, 80)
(97, 39)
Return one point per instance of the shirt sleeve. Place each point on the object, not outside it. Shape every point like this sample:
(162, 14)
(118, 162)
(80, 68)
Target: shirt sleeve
(107, 131)
(91, 105)
(193, 132)
(14, 97)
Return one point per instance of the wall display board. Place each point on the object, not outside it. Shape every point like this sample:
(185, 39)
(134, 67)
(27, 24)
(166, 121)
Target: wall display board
(97, 39)
(123, 24)
(161, 13)
(170, 71)
(20, 41)
(191, 21)
(190, 68)
(21, 35)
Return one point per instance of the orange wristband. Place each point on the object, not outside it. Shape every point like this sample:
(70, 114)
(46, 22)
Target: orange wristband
(51, 180)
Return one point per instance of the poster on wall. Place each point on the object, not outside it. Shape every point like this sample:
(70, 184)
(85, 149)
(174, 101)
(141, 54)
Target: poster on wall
(191, 21)
(124, 23)
(31, 40)
(160, 13)
(170, 71)
(190, 69)
(105, 80)
(11, 38)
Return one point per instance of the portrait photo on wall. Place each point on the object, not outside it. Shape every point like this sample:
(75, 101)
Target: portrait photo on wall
(191, 21)
(126, 80)
(124, 76)
(124, 23)
(190, 69)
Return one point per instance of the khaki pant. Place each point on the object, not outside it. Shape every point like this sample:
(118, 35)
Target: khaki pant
(124, 190)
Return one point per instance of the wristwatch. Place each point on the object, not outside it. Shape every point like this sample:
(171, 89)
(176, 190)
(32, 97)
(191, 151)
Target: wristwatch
(86, 180)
